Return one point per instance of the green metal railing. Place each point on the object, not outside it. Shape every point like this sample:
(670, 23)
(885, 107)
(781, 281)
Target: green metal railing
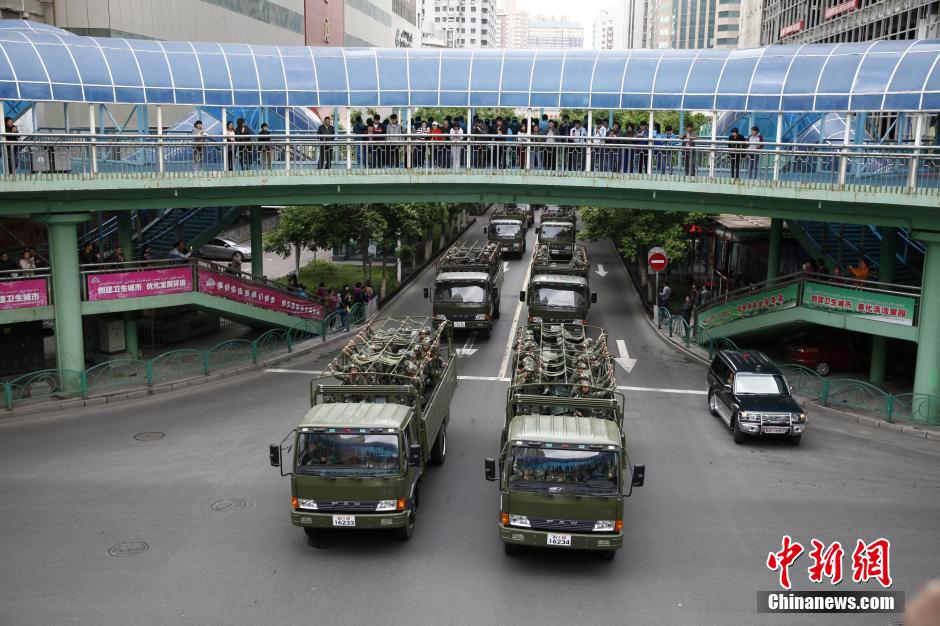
(174, 365)
(846, 393)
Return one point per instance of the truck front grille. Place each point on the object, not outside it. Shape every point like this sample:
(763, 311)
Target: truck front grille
(346, 506)
(776, 419)
(566, 525)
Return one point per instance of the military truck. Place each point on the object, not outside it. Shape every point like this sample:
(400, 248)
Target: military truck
(378, 417)
(563, 466)
(558, 290)
(560, 213)
(559, 235)
(507, 227)
(467, 286)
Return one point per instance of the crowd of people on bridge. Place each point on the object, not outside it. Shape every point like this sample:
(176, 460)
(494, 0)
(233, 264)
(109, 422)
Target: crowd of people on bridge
(502, 143)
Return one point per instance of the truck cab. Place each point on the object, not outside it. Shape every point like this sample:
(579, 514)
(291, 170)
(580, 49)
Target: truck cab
(468, 300)
(509, 232)
(559, 236)
(558, 298)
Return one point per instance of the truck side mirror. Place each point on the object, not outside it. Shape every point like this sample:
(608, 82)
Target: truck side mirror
(414, 454)
(489, 466)
(427, 293)
(274, 453)
(593, 297)
(485, 230)
(727, 388)
(639, 475)
(521, 296)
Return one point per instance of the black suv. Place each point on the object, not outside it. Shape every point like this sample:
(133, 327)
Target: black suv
(749, 393)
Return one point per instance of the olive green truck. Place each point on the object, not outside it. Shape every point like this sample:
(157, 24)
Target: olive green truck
(563, 467)
(468, 285)
(378, 417)
(507, 227)
(559, 290)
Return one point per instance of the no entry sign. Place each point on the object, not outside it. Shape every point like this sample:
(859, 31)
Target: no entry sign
(656, 259)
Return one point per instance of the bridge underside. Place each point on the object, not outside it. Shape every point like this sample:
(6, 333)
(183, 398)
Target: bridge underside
(851, 204)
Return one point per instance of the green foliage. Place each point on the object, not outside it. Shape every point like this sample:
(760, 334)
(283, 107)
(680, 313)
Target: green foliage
(663, 118)
(634, 231)
(336, 275)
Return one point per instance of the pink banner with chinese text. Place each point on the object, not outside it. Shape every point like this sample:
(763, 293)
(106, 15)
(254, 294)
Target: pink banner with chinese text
(27, 293)
(239, 290)
(139, 284)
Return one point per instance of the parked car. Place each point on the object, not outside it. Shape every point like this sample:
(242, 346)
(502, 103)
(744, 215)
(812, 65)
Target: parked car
(825, 351)
(751, 396)
(222, 249)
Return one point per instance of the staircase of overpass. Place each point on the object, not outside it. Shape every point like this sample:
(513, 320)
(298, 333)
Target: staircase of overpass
(844, 244)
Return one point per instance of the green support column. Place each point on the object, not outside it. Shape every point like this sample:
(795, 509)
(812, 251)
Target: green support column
(67, 295)
(879, 345)
(927, 375)
(126, 241)
(257, 249)
(773, 249)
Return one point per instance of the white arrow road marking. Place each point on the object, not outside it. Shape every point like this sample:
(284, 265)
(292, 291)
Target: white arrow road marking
(600, 271)
(624, 360)
(505, 266)
(468, 349)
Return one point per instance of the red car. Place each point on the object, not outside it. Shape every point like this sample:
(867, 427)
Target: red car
(828, 350)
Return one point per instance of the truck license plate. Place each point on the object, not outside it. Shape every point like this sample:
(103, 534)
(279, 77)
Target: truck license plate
(775, 430)
(558, 540)
(460, 324)
(344, 520)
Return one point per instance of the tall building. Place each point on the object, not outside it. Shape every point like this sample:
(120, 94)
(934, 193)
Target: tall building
(513, 26)
(695, 23)
(622, 26)
(35, 10)
(833, 21)
(551, 33)
(461, 23)
(749, 36)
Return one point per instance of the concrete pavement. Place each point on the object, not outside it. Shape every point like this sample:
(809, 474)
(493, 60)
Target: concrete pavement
(221, 550)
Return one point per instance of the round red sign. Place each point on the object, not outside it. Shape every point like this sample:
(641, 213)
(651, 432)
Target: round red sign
(657, 261)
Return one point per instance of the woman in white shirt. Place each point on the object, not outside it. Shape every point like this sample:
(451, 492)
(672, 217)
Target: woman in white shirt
(419, 152)
(456, 136)
(230, 144)
(27, 263)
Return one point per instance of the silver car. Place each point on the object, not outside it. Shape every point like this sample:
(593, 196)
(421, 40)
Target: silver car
(222, 249)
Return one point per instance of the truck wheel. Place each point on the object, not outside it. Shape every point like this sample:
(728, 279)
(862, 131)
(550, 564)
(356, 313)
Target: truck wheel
(496, 310)
(510, 549)
(608, 555)
(439, 451)
(795, 440)
(739, 435)
(405, 532)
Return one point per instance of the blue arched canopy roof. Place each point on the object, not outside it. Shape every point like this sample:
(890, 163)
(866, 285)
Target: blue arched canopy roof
(44, 63)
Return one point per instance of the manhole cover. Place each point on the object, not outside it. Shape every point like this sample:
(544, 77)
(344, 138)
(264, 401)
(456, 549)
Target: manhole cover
(229, 504)
(128, 549)
(150, 436)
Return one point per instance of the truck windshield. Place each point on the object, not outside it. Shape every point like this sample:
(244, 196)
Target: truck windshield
(353, 452)
(557, 232)
(568, 296)
(760, 384)
(459, 293)
(559, 471)
(504, 229)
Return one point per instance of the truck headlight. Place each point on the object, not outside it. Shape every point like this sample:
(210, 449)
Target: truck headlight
(519, 520)
(604, 526)
(310, 505)
(799, 418)
(391, 505)
(747, 416)
(535, 320)
(480, 317)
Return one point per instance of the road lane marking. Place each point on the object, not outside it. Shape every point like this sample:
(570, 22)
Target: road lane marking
(276, 370)
(624, 360)
(515, 321)
(694, 392)
(600, 271)
(468, 349)
(492, 379)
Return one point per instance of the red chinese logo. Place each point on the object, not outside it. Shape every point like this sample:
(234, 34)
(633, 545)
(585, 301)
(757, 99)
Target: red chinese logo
(827, 562)
(871, 561)
(784, 559)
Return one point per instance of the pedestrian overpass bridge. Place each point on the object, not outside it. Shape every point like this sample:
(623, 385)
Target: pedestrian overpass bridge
(61, 178)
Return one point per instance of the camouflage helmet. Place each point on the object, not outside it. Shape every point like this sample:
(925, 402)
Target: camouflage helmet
(410, 368)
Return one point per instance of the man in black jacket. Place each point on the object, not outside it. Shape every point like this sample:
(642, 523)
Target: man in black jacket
(244, 133)
(327, 134)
